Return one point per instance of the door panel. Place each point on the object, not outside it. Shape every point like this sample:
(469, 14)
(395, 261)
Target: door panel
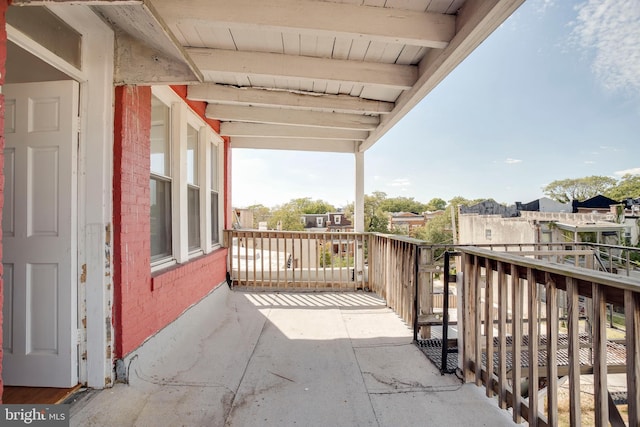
(40, 235)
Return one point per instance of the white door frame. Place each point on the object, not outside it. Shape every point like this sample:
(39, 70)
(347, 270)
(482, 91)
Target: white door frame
(95, 172)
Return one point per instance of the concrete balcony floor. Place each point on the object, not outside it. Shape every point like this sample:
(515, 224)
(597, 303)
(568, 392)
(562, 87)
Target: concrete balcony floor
(286, 359)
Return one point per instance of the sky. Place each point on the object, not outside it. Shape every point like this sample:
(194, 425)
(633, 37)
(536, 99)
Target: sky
(553, 93)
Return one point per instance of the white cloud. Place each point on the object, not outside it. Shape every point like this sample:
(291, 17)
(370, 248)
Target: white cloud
(541, 6)
(632, 171)
(511, 161)
(589, 162)
(400, 182)
(610, 31)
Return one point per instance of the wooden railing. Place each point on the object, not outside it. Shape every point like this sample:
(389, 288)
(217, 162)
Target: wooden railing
(527, 314)
(393, 272)
(523, 342)
(291, 260)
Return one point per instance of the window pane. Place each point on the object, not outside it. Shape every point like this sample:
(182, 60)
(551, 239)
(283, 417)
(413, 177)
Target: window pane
(160, 218)
(160, 142)
(194, 218)
(214, 167)
(192, 155)
(215, 232)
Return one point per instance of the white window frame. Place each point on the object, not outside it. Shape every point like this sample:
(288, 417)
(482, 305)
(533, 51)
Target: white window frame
(212, 141)
(196, 123)
(180, 116)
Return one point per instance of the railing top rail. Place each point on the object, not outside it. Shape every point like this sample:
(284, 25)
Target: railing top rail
(591, 276)
(289, 232)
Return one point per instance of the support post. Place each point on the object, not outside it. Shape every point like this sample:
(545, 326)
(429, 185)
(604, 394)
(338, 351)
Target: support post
(359, 204)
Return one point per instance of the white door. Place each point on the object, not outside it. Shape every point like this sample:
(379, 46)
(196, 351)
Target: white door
(39, 226)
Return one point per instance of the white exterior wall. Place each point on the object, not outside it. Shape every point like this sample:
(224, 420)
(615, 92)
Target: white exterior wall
(633, 225)
(473, 230)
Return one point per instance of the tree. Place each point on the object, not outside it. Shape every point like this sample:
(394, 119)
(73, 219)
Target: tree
(436, 204)
(287, 216)
(437, 230)
(261, 213)
(402, 204)
(307, 206)
(566, 190)
(627, 187)
(375, 219)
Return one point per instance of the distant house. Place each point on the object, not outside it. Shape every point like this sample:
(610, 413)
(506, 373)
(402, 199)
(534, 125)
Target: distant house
(490, 207)
(242, 218)
(428, 216)
(314, 221)
(544, 204)
(405, 222)
(597, 203)
(632, 221)
(337, 221)
(332, 222)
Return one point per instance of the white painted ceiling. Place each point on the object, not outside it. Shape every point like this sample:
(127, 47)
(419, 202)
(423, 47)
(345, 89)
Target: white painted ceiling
(298, 74)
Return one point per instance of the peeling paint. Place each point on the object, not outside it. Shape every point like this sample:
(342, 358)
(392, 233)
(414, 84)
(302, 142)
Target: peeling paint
(84, 323)
(108, 328)
(107, 250)
(83, 275)
(107, 381)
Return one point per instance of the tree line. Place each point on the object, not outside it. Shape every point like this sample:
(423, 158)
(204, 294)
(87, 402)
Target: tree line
(377, 210)
(580, 189)
(378, 206)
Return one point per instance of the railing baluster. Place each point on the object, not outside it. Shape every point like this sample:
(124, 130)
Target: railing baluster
(301, 258)
(632, 340)
(270, 240)
(468, 318)
(533, 347)
(502, 336)
(253, 249)
(488, 324)
(308, 266)
(552, 349)
(516, 345)
(261, 259)
(601, 394)
(477, 313)
(574, 352)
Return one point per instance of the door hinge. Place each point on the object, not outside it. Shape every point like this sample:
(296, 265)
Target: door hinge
(79, 124)
(80, 336)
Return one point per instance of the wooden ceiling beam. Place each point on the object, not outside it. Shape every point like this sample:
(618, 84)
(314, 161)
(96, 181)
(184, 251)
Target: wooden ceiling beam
(234, 129)
(317, 18)
(232, 95)
(296, 144)
(237, 113)
(303, 67)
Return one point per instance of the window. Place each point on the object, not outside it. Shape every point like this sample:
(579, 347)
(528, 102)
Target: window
(215, 206)
(319, 221)
(185, 182)
(193, 189)
(336, 219)
(487, 234)
(160, 182)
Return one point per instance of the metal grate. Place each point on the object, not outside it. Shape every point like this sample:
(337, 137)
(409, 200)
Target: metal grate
(432, 348)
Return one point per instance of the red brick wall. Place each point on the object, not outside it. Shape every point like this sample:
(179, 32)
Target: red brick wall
(144, 304)
(3, 57)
